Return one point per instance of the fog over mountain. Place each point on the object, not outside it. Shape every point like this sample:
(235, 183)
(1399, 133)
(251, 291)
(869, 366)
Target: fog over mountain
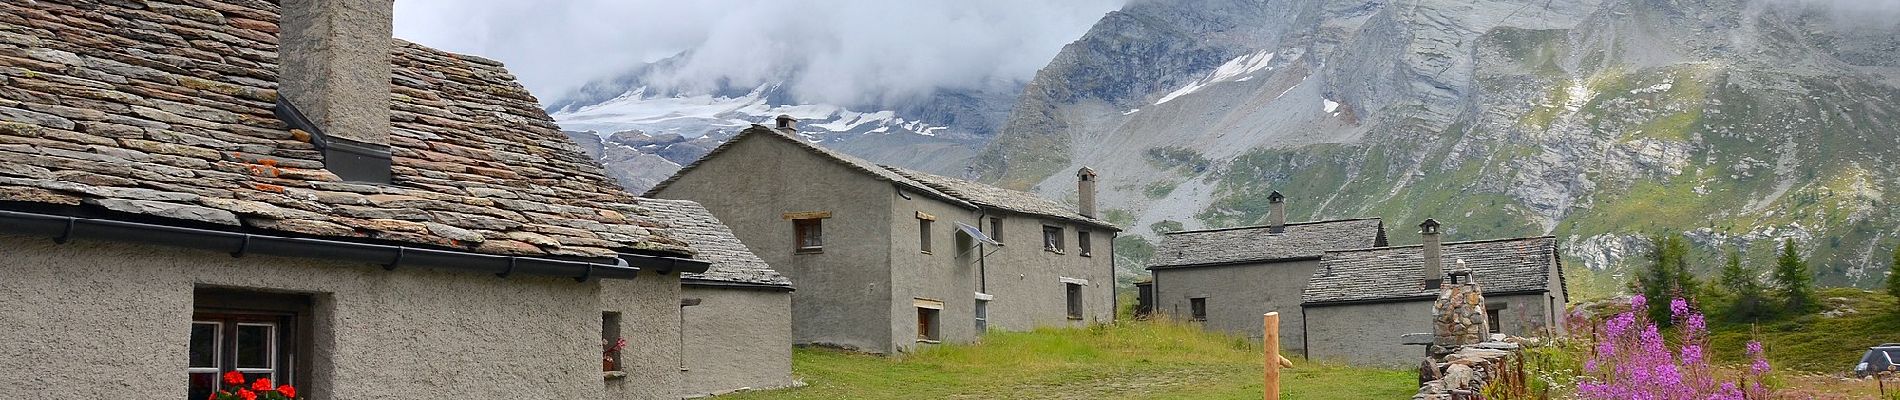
(846, 52)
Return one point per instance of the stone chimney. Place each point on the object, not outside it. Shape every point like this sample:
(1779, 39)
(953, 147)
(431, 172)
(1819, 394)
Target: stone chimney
(1458, 318)
(334, 72)
(1085, 191)
(787, 123)
(1433, 252)
(1276, 215)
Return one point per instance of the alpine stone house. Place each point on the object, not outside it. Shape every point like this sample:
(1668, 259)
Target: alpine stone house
(1226, 278)
(888, 259)
(192, 187)
(1342, 292)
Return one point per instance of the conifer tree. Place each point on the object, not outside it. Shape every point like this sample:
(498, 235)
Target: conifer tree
(1794, 282)
(1744, 290)
(1893, 274)
(1667, 275)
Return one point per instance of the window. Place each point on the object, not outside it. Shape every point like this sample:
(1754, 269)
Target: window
(927, 325)
(610, 342)
(811, 235)
(1198, 306)
(996, 229)
(260, 335)
(1052, 238)
(1074, 292)
(923, 235)
(982, 315)
(1493, 315)
(1082, 243)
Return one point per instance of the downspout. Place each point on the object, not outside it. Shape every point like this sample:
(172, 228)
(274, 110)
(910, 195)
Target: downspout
(1114, 298)
(1306, 349)
(982, 259)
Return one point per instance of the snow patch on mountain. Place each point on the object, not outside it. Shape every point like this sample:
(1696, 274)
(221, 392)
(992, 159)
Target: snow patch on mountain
(694, 115)
(1239, 69)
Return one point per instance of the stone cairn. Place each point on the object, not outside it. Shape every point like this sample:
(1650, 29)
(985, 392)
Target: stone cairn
(1462, 354)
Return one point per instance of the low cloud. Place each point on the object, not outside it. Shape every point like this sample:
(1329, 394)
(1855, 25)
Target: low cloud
(844, 51)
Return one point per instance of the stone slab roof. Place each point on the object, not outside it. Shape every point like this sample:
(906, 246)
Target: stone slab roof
(854, 163)
(163, 110)
(1000, 198)
(1389, 273)
(1303, 240)
(713, 242)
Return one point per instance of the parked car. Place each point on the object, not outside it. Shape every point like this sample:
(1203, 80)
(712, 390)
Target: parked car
(1878, 358)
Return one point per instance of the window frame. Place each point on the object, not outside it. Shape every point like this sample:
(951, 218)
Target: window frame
(1072, 294)
(996, 230)
(1197, 308)
(1052, 239)
(290, 348)
(982, 311)
(929, 325)
(808, 230)
(1084, 245)
(923, 235)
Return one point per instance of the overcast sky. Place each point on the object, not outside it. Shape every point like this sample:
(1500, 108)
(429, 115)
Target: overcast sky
(848, 50)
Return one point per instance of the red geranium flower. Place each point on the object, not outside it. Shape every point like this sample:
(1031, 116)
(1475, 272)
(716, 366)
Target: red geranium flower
(261, 385)
(247, 394)
(233, 378)
(288, 391)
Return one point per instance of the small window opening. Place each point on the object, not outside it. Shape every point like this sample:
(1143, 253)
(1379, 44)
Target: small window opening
(1198, 307)
(923, 235)
(996, 229)
(810, 235)
(1074, 293)
(1052, 239)
(1082, 243)
(611, 343)
(927, 325)
(1492, 317)
(982, 316)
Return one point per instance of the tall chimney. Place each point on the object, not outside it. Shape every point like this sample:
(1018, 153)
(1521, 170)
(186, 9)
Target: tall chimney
(786, 122)
(334, 71)
(1276, 215)
(1433, 252)
(1085, 191)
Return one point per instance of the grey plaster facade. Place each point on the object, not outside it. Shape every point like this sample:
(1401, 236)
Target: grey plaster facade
(736, 338)
(110, 320)
(1237, 295)
(862, 290)
(1368, 334)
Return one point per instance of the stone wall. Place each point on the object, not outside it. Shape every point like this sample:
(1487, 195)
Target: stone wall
(1465, 372)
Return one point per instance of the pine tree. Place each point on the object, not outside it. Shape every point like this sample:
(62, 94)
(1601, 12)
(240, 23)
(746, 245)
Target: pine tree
(1893, 274)
(1667, 276)
(1794, 282)
(1744, 290)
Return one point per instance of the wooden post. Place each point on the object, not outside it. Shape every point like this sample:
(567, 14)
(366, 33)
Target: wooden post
(1270, 338)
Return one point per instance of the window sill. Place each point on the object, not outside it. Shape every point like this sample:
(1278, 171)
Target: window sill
(1074, 318)
(1058, 252)
(924, 251)
(1086, 254)
(812, 250)
(613, 375)
(929, 341)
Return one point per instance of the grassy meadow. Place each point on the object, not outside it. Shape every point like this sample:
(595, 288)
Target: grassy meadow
(1126, 360)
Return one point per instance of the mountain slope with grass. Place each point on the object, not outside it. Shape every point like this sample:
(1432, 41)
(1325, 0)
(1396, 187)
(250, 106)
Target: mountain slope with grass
(1735, 122)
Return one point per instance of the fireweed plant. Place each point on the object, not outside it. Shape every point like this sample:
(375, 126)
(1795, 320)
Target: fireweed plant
(1631, 361)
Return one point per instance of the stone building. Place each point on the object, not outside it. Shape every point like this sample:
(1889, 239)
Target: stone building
(1227, 278)
(735, 318)
(193, 187)
(1360, 302)
(887, 259)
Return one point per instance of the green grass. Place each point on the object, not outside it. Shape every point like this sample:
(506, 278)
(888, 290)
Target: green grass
(1129, 360)
(1811, 342)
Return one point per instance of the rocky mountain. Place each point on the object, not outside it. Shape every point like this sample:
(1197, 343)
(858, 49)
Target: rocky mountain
(644, 127)
(1735, 122)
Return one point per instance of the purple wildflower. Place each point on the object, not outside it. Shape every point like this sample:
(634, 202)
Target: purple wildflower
(1678, 307)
